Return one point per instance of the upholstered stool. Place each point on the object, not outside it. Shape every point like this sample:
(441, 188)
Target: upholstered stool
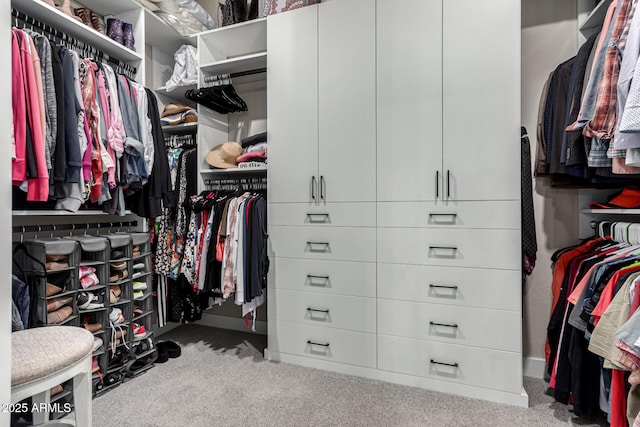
(42, 358)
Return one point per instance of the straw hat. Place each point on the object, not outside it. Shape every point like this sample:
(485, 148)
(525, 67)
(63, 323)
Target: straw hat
(224, 155)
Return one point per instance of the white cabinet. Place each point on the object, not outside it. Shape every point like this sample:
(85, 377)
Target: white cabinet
(409, 100)
(481, 104)
(347, 101)
(292, 103)
(321, 142)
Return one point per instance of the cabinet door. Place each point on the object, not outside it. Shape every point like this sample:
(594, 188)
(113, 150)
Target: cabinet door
(481, 113)
(409, 99)
(347, 100)
(292, 103)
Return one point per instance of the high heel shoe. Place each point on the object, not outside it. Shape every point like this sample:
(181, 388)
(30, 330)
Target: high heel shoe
(65, 8)
(84, 14)
(95, 22)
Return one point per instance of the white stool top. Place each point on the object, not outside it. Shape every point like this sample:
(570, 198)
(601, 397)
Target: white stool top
(39, 352)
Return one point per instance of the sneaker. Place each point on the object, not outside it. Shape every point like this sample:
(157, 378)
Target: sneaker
(97, 343)
(139, 332)
(138, 266)
(116, 316)
(89, 301)
(138, 294)
(139, 286)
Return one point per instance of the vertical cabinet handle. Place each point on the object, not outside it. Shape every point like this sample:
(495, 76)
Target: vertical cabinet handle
(321, 187)
(437, 186)
(448, 184)
(313, 187)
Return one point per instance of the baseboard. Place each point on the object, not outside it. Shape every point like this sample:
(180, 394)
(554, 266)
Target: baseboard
(533, 367)
(232, 323)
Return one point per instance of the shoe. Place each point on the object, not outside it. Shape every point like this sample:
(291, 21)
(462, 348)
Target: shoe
(139, 332)
(138, 266)
(114, 294)
(137, 275)
(127, 36)
(117, 254)
(145, 344)
(56, 258)
(89, 301)
(138, 295)
(96, 23)
(56, 303)
(118, 276)
(93, 327)
(52, 290)
(118, 266)
(95, 367)
(137, 311)
(173, 349)
(116, 316)
(136, 250)
(55, 265)
(97, 343)
(139, 286)
(89, 281)
(84, 14)
(60, 315)
(56, 390)
(86, 270)
(65, 8)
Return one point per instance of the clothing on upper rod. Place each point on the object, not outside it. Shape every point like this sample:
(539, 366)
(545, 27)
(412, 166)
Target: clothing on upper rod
(94, 142)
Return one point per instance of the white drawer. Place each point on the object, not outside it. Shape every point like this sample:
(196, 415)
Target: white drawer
(480, 327)
(474, 287)
(450, 247)
(336, 345)
(494, 369)
(337, 243)
(334, 277)
(492, 214)
(313, 308)
(331, 214)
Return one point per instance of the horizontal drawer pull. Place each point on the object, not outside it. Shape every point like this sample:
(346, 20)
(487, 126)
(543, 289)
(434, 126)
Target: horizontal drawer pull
(318, 244)
(448, 325)
(317, 343)
(443, 214)
(451, 248)
(447, 218)
(453, 365)
(313, 276)
(454, 287)
(311, 215)
(319, 310)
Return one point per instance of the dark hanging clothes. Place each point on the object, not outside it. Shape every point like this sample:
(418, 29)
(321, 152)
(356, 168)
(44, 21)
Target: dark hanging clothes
(72, 108)
(529, 241)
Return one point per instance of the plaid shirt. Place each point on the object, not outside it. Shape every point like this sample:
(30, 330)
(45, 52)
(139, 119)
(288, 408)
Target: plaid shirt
(603, 123)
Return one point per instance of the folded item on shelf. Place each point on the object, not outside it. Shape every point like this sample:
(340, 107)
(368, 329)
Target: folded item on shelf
(139, 286)
(185, 71)
(256, 147)
(190, 116)
(253, 139)
(246, 157)
(628, 198)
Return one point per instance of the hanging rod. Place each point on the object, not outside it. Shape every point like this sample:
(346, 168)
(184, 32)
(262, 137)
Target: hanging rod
(76, 226)
(210, 79)
(79, 46)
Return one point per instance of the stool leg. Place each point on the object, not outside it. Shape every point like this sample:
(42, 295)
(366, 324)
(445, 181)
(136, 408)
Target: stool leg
(82, 395)
(41, 400)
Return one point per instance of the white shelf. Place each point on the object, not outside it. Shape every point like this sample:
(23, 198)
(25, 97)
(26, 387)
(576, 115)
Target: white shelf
(52, 16)
(62, 213)
(596, 17)
(611, 211)
(180, 129)
(161, 35)
(177, 93)
(238, 64)
(233, 171)
(111, 7)
(233, 41)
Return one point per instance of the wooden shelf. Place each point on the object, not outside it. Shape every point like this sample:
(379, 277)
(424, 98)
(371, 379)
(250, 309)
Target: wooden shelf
(54, 17)
(596, 17)
(239, 64)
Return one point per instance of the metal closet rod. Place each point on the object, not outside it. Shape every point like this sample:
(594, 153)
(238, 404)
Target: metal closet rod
(87, 50)
(210, 79)
(75, 226)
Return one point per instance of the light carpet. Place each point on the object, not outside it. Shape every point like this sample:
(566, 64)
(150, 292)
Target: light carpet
(222, 379)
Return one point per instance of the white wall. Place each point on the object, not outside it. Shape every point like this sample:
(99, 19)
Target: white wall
(5, 214)
(549, 37)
